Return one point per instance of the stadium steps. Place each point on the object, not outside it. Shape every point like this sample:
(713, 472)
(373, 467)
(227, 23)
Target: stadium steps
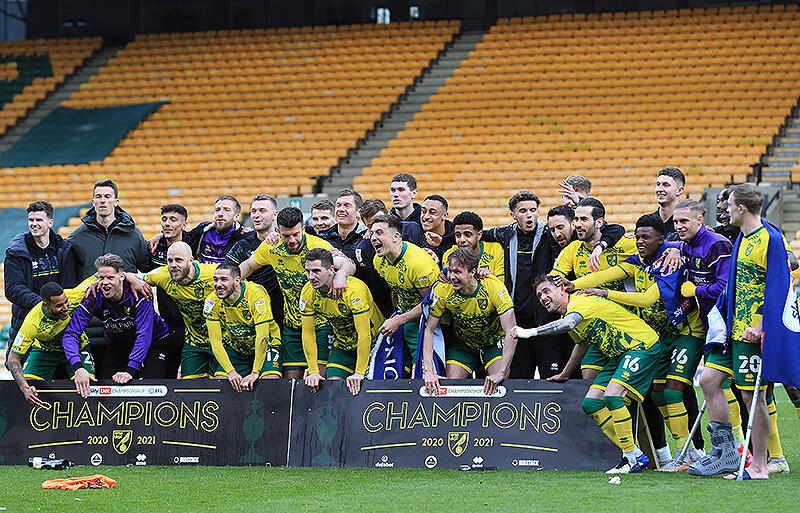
(779, 165)
(60, 94)
(790, 218)
(392, 122)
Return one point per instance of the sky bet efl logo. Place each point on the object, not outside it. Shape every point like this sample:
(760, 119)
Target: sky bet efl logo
(128, 391)
(463, 391)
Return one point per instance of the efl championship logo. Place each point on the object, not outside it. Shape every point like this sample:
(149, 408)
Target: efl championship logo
(121, 439)
(457, 442)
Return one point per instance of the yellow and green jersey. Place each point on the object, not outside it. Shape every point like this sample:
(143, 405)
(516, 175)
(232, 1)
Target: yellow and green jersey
(751, 280)
(475, 318)
(355, 301)
(490, 256)
(575, 259)
(608, 326)
(189, 298)
(412, 270)
(44, 332)
(290, 273)
(655, 315)
(239, 319)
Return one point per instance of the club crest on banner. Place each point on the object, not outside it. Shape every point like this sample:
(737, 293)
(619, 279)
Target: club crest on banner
(121, 440)
(457, 442)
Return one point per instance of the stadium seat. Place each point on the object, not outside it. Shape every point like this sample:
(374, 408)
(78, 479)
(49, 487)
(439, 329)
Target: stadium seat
(614, 97)
(249, 111)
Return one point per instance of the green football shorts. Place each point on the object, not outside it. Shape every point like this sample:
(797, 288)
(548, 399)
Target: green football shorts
(741, 362)
(680, 355)
(594, 359)
(633, 370)
(293, 356)
(43, 365)
(198, 363)
(243, 363)
(470, 358)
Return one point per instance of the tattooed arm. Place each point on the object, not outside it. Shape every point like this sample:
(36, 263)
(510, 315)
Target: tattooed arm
(15, 366)
(563, 325)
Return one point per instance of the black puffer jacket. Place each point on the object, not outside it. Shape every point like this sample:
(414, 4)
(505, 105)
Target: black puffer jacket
(20, 288)
(122, 238)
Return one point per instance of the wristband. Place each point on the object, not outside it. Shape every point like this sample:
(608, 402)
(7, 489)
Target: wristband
(527, 332)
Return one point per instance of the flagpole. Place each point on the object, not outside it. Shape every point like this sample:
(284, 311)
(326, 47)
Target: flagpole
(740, 474)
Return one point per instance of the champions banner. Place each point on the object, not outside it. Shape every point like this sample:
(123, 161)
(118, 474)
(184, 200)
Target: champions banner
(391, 424)
(151, 422)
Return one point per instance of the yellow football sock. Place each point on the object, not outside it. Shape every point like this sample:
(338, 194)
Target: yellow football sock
(796, 404)
(734, 413)
(597, 411)
(774, 444)
(623, 425)
(678, 423)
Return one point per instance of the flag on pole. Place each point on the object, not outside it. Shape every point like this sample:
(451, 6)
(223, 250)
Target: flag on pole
(780, 323)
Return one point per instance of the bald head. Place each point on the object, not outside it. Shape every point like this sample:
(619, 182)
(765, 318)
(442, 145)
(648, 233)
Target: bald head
(180, 248)
(180, 262)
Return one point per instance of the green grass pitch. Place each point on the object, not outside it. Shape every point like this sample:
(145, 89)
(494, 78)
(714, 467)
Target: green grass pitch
(251, 489)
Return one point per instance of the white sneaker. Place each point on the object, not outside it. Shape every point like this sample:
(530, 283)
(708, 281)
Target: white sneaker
(663, 455)
(777, 466)
(623, 467)
(692, 455)
(626, 467)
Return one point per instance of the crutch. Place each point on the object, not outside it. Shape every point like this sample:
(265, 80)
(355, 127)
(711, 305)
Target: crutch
(696, 424)
(740, 474)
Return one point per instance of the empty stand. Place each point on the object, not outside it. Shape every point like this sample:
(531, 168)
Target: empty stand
(31, 69)
(250, 111)
(613, 97)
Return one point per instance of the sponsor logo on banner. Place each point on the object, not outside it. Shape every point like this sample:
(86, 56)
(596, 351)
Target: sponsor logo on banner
(121, 440)
(463, 391)
(431, 461)
(141, 459)
(457, 442)
(128, 391)
(525, 463)
(384, 462)
(96, 459)
(186, 459)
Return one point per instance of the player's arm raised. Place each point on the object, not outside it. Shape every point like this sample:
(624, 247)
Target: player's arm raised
(599, 278)
(643, 299)
(557, 327)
